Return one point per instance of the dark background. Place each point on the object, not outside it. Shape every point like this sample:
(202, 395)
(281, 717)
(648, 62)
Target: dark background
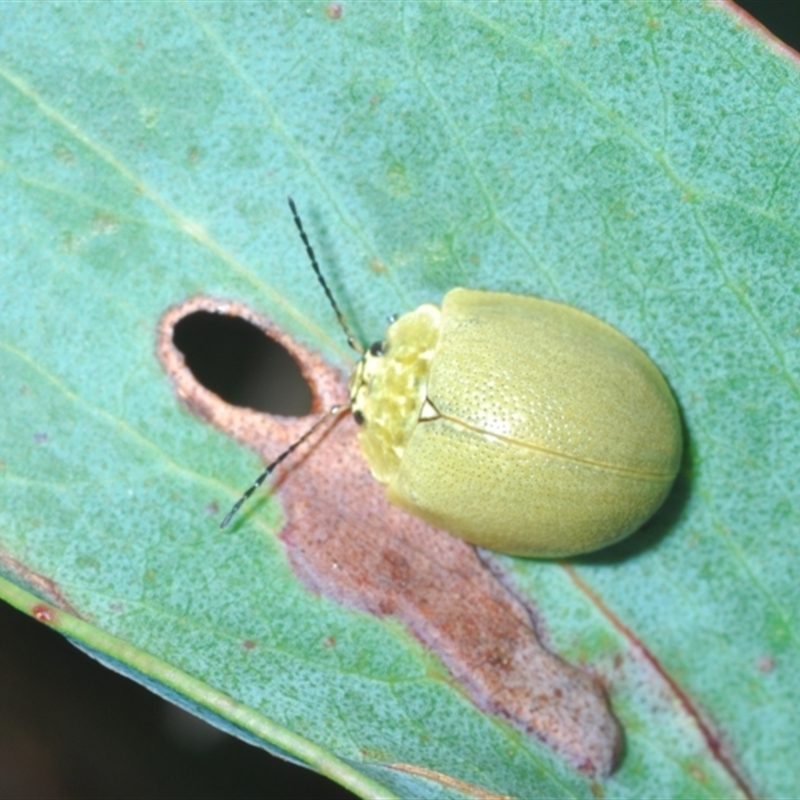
(70, 728)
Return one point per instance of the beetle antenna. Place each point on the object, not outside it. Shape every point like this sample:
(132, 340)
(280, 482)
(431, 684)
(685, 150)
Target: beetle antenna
(270, 467)
(351, 340)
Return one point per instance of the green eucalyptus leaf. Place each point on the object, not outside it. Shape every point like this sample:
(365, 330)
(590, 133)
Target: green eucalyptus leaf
(638, 160)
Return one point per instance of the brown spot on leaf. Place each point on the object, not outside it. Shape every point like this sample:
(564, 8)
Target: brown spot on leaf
(333, 11)
(43, 613)
(765, 664)
(345, 541)
(39, 584)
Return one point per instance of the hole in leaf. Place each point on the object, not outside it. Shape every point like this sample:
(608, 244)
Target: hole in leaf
(241, 364)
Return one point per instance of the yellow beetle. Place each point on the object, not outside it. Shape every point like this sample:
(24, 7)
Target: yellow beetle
(521, 425)
(518, 424)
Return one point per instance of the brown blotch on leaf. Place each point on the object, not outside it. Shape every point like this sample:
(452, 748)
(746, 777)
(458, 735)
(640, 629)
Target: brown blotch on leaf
(345, 541)
(765, 664)
(40, 585)
(43, 613)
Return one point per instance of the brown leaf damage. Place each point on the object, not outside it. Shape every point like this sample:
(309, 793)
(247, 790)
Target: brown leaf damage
(468, 789)
(39, 585)
(713, 738)
(345, 541)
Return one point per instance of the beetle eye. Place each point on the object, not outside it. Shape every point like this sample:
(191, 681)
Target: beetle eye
(358, 417)
(377, 349)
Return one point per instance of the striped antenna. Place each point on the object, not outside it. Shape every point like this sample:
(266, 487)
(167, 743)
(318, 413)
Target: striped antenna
(351, 340)
(334, 410)
(271, 467)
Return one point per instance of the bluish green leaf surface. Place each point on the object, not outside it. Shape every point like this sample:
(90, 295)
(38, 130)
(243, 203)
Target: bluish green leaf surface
(639, 160)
